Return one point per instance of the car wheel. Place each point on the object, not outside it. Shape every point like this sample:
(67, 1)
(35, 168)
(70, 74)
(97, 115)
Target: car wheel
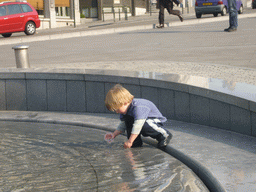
(7, 34)
(30, 28)
(215, 14)
(224, 11)
(198, 15)
(240, 10)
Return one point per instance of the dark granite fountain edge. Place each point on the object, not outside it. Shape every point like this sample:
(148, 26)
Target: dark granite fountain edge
(54, 90)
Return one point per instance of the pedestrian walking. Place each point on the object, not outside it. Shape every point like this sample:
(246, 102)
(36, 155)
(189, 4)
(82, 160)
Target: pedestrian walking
(168, 4)
(233, 22)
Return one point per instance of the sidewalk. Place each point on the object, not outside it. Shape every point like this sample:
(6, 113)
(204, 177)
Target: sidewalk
(109, 27)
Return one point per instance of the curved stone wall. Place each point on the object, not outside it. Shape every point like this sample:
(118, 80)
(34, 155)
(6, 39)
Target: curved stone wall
(184, 98)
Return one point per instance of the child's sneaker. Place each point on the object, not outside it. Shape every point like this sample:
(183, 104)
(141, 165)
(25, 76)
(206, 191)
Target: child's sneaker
(165, 141)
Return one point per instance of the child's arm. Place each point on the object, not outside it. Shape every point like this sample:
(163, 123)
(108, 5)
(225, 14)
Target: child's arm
(128, 144)
(136, 129)
(120, 129)
(110, 136)
(116, 133)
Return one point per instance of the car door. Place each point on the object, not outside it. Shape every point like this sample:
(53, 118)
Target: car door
(4, 26)
(15, 17)
(238, 4)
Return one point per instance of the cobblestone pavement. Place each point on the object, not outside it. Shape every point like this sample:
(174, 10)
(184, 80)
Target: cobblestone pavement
(200, 49)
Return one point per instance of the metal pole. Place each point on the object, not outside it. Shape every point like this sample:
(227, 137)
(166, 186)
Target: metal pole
(119, 15)
(21, 56)
(74, 13)
(150, 8)
(100, 10)
(125, 13)
(114, 14)
(133, 7)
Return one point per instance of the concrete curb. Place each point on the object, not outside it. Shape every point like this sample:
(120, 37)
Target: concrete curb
(116, 30)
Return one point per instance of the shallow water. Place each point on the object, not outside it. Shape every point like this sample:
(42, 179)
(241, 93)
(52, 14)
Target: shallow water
(51, 157)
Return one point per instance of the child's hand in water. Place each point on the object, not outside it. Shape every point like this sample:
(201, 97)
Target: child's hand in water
(109, 137)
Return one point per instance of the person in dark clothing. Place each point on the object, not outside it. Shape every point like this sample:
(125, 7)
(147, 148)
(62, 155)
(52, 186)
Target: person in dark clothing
(233, 23)
(168, 4)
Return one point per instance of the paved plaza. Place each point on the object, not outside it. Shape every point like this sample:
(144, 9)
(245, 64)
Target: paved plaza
(52, 156)
(197, 47)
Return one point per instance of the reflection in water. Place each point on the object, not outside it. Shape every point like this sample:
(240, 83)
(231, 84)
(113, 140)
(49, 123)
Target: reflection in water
(230, 85)
(242, 90)
(148, 170)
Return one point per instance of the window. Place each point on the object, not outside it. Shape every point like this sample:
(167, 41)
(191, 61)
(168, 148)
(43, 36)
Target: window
(26, 8)
(2, 10)
(14, 9)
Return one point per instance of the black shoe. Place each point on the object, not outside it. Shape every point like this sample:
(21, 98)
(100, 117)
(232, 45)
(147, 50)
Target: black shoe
(181, 18)
(230, 29)
(160, 26)
(227, 29)
(165, 141)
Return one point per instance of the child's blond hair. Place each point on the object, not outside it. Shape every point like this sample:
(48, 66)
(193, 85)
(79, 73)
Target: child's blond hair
(117, 96)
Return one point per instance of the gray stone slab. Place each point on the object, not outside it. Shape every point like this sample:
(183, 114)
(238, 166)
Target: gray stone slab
(161, 83)
(253, 115)
(200, 110)
(36, 95)
(151, 94)
(114, 78)
(76, 99)
(11, 75)
(55, 76)
(252, 106)
(2, 95)
(56, 95)
(16, 95)
(223, 97)
(133, 89)
(240, 120)
(182, 109)
(219, 114)
(95, 96)
(166, 103)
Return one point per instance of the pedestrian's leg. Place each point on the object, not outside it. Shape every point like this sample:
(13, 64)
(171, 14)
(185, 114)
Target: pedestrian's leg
(233, 16)
(233, 22)
(161, 16)
(129, 124)
(174, 12)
